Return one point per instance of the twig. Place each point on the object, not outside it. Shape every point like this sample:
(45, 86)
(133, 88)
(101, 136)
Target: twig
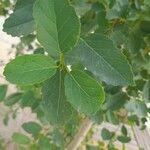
(81, 134)
(135, 137)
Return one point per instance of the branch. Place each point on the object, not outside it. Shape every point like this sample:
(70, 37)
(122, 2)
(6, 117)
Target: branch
(81, 134)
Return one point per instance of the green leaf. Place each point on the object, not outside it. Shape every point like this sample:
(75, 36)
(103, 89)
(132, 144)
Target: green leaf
(106, 134)
(20, 138)
(133, 119)
(83, 92)
(32, 128)
(58, 26)
(112, 117)
(39, 51)
(111, 146)
(116, 101)
(146, 91)
(145, 27)
(44, 143)
(57, 110)
(30, 69)
(124, 139)
(88, 22)
(137, 107)
(12, 99)
(98, 117)
(124, 130)
(103, 59)
(102, 21)
(28, 99)
(21, 20)
(135, 41)
(3, 90)
(119, 9)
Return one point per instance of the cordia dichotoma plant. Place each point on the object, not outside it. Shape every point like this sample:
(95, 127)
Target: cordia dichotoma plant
(89, 63)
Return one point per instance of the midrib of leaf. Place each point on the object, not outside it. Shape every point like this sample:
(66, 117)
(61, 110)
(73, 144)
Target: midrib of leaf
(59, 97)
(55, 23)
(58, 30)
(79, 86)
(46, 68)
(62, 25)
(104, 59)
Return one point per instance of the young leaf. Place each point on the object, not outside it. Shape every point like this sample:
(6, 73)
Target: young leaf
(20, 138)
(124, 139)
(83, 92)
(12, 99)
(57, 110)
(30, 69)
(124, 130)
(58, 26)
(32, 128)
(99, 55)
(21, 20)
(3, 90)
(106, 134)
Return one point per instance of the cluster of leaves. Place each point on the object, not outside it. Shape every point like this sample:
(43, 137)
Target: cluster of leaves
(89, 58)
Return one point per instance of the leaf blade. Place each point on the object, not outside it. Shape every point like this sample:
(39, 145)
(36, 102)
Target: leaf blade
(16, 25)
(84, 93)
(30, 69)
(3, 90)
(57, 109)
(99, 55)
(58, 17)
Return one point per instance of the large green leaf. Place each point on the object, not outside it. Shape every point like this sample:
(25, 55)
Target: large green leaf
(58, 111)
(58, 26)
(21, 21)
(30, 69)
(3, 90)
(103, 59)
(83, 92)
